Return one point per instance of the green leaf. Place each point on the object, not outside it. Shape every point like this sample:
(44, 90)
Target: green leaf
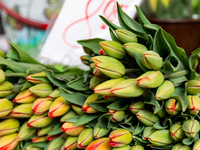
(158, 126)
(86, 118)
(77, 84)
(138, 129)
(104, 120)
(119, 105)
(127, 126)
(113, 36)
(193, 62)
(99, 105)
(143, 20)
(56, 129)
(74, 98)
(109, 23)
(73, 119)
(188, 141)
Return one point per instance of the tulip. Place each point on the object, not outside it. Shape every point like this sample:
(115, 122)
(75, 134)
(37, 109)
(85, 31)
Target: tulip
(104, 88)
(118, 115)
(110, 98)
(41, 90)
(147, 117)
(56, 143)
(102, 52)
(51, 137)
(94, 81)
(191, 127)
(100, 132)
(147, 132)
(150, 79)
(113, 49)
(71, 143)
(86, 59)
(126, 36)
(104, 59)
(8, 126)
(41, 106)
(85, 138)
(126, 147)
(180, 146)
(5, 107)
(135, 107)
(152, 60)
(22, 111)
(33, 78)
(32, 147)
(172, 106)
(77, 109)
(25, 132)
(39, 121)
(69, 114)
(193, 87)
(8, 142)
(2, 76)
(87, 108)
(127, 88)
(98, 73)
(135, 48)
(160, 138)
(120, 137)
(25, 97)
(72, 130)
(176, 131)
(99, 144)
(39, 139)
(58, 108)
(54, 94)
(5, 88)
(196, 145)
(44, 130)
(193, 104)
(137, 147)
(165, 91)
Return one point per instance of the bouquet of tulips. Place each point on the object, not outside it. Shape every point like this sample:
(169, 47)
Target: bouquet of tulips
(141, 92)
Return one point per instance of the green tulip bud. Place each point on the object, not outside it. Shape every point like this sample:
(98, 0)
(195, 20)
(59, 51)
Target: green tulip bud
(176, 131)
(99, 144)
(147, 132)
(196, 145)
(87, 108)
(41, 106)
(100, 132)
(127, 88)
(113, 49)
(180, 146)
(147, 117)
(118, 115)
(191, 127)
(54, 94)
(94, 81)
(5, 88)
(126, 147)
(39, 139)
(132, 48)
(45, 130)
(150, 79)
(165, 91)
(126, 36)
(22, 111)
(77, 109)
(71, 143)
(193, 87)
(160, 138)
(98, 73)
(104, 59)
(56, 143)
(25, 97)
(9, 142)
(32, 147)
(135, 107)
(39, 121)
(2, 76)
(69, 114)
(8, 126)
(110, 98)
(172, 106)
(193, 104)
(5, 107)
(41, 90)
(33, 78)
(86, 59)
(120, 137)
(137, 147)
(72, 130)
(85, 138)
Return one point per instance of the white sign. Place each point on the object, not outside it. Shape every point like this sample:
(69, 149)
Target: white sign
(79, 19)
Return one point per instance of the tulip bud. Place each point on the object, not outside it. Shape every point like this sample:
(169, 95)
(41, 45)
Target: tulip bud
(25, 97)
(41, 106)
(51, 137)
(87, 108)
(69, 114)
(104, 88)
(193, 104)
(191, 127)
(118, 115)
(150, 79)
(193, 87)
(41, 90)
(77, 109)
(100, 132)
(2, 76)
(5, 107)
(85, 138)
(86, 59)
(152, 60)
(102, 52)
(98, 73)
(104, 59)
(127, 88)
(56, 143)
(39, 121)
(161, 113)
(71, 143)
(8, 126)
(160, 138)
(25, 132)
(5, 89)
(180, 146)
(196, 145)
(8, 142)
(132, 48)
(32, 147)
(135, 107)
(72, 130)
(172, 106)
(99, 144)
(54, 94)
(176, 131)
(94, 81)
(44, 130)
(33, 78)
(147, 117)
(58, 108)
(39, 139)
(113, 49)
(120, 137)
(165, 91)
(126, 147)
(22, 111)
(126, 36)
(110, 98)
(137, 147)
(147, 132)
(92, 66)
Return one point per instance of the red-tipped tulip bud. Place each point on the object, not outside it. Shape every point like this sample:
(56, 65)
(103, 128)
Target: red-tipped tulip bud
(126, 147)
(22, 111)
(41, 106)
(137, 147)
(180, 146)
(176, 131)
(120, 137)
(102, 52)
(99, 144)
(39, 139)
(72, 130)
(98, 73)
(58, 108)
(2, 76)
(94, 81)
(191, 127)
(77, 109)
(172, 106)
(193, 87)
(100, 132)
(51, 137)
(85, 138)
(150, 79)
(32, 147)
(5, 88)
(34, 78)
(71, 143)
(39, 121)
(196, 145)
(25, 97)
(118, 115)
(86, 59)
(193, 104)
(8, 126)
(110, 98)
(41, 90)
(56, 143)
(147, 117)
(135, 107)
(126, 36)
(103, 59)
(69, 114)
(54, 94)
(5, 107)
(87, 108)
(127, 88)
(44, 130)
(8, 142)
(147, 132)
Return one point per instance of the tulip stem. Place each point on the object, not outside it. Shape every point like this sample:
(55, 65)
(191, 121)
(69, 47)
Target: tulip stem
(176, 74)
(15, 74)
